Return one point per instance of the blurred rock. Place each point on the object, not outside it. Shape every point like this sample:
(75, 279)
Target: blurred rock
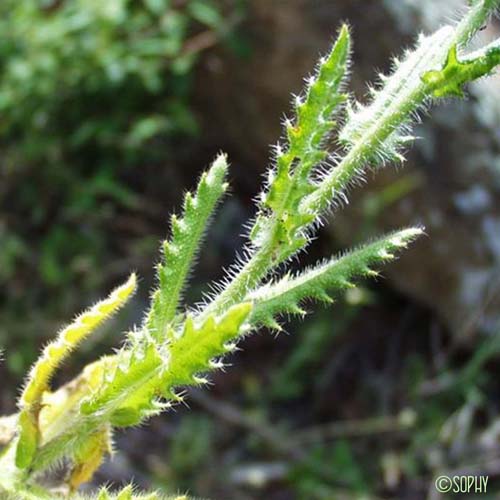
(456, 269)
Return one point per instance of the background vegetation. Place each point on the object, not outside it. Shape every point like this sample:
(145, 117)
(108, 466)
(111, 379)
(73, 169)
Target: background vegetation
(109, 110)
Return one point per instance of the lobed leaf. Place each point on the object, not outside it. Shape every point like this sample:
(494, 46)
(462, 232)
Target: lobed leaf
(174, 349)
(450, 80)
(180, 251)
(52, 356)
(89, 456)
(324, 280)
(69, 338)
(392, 104)
(306, 149)
(129, 383)
(192, 352)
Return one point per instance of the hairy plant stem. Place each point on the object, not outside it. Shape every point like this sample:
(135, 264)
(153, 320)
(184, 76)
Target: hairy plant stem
(173, 350)
(250, 275)
(477, 16)
(264, 259)
(400, 108)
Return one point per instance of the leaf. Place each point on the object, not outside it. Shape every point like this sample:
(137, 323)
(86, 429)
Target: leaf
(450, 80)
(28, 439)
(306, 148)
(191, 353)
(322, 281)
(69, 338)
(52, 356)
(313, 114)
(130, 383)
(88, 458)
(391, 104)
(179, 252)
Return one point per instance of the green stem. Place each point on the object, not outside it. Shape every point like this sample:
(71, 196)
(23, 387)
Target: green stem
(477, 16)
(249, 276)
(410, 94)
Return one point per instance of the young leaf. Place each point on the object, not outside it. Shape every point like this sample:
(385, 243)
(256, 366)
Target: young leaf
(278, 231)
(129, 383)
(191, 352)
(306, 149)
(450, 80)
(52, 356)
(88, 457)
(320, 282)
(180, 251)
(69, 338)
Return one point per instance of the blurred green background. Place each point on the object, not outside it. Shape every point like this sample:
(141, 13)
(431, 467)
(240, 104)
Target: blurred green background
(109, 111)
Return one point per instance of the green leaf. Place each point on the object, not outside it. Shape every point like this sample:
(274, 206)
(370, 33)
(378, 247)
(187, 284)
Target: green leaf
(205, 12)
(392, 103)
(53, 355)
(179, 252)
(306, 148)
(324, 280)
(192, 352)
(27, 441)
(450, 80)
(130, 385)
